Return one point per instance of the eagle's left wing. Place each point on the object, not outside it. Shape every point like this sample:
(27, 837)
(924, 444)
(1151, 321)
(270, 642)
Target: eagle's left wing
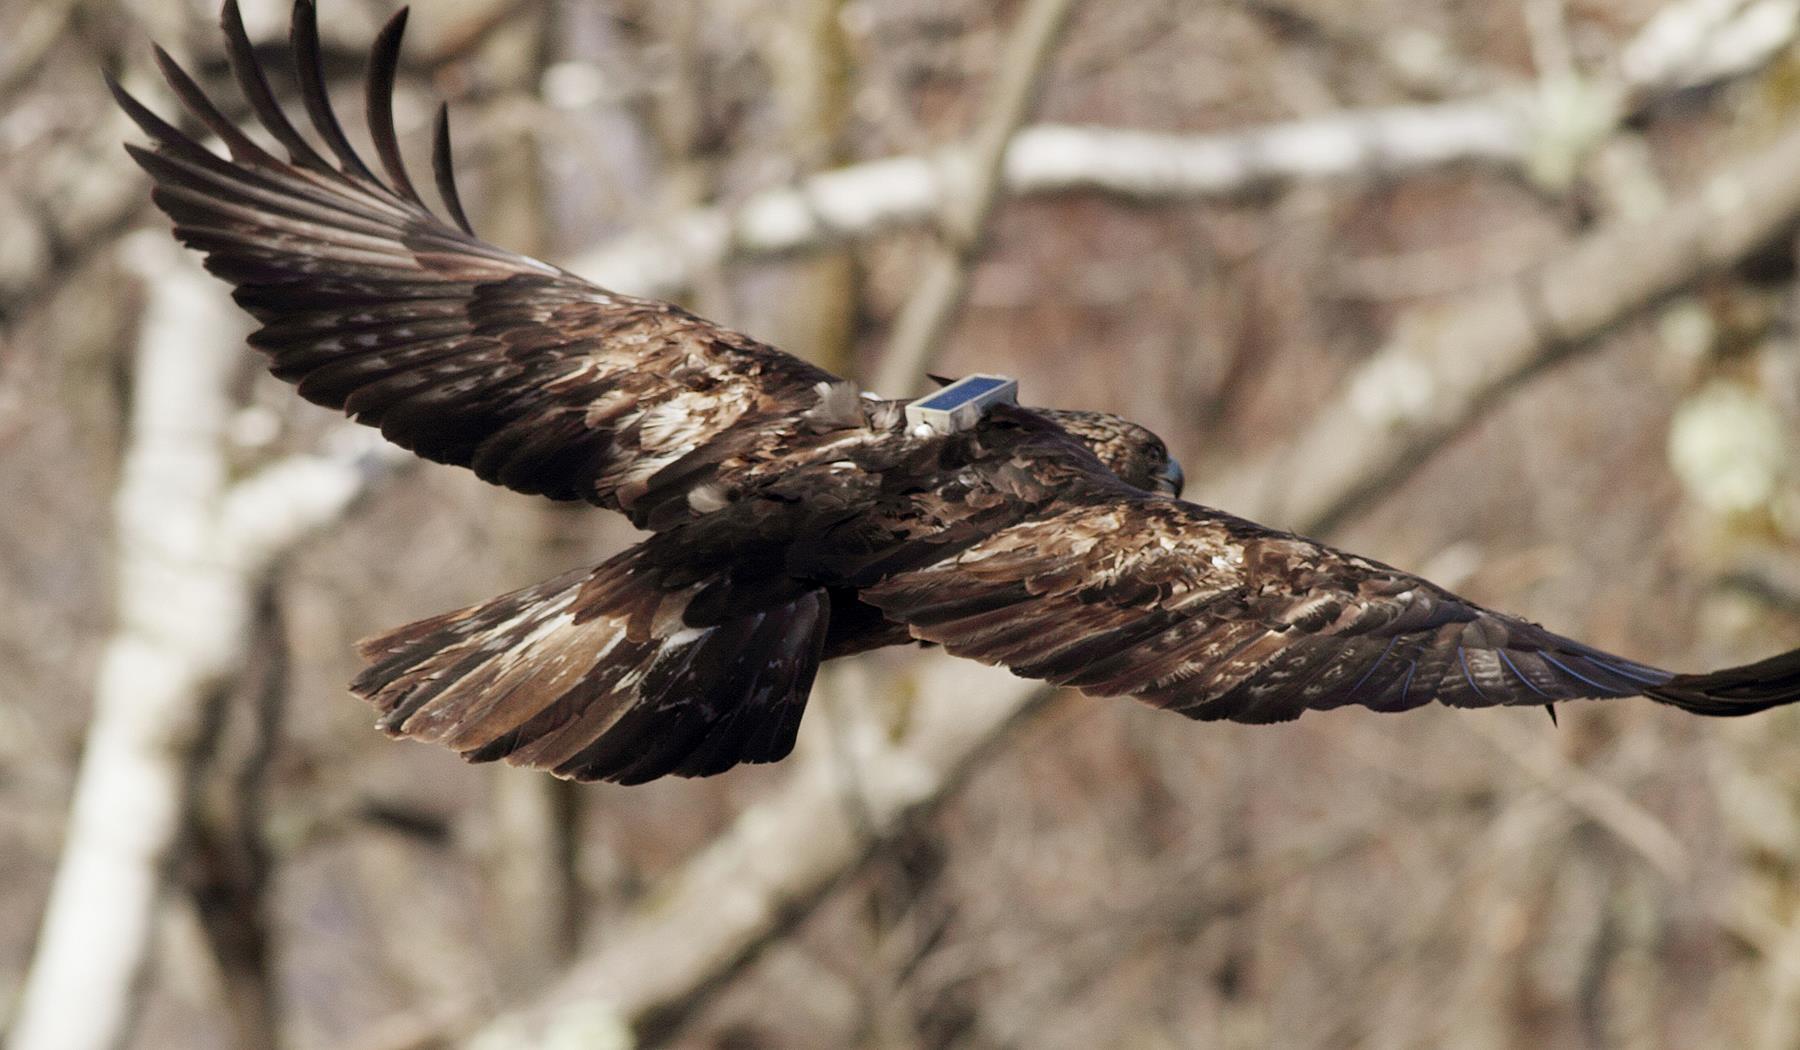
(458, 350)
(1218, 618)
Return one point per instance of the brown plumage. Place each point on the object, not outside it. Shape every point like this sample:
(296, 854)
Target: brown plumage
(793, 518)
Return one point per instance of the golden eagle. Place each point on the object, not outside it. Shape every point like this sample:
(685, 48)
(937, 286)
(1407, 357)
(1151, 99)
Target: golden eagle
(793, 518)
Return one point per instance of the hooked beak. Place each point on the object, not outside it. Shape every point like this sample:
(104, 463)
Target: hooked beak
(1170, 480)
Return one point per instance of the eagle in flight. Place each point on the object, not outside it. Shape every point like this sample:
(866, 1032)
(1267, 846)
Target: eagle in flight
(792, 518)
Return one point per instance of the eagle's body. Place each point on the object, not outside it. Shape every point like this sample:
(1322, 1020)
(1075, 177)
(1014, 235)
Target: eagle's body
(793, 518)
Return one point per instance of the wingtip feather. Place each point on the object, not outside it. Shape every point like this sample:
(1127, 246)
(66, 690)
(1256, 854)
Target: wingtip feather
(384, 65)
(442, 167)
(124, 98)
(1742, 690)
(240, 145)
(254, 83)
(309, 64)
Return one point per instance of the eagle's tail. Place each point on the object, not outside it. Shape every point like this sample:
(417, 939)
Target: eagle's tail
(594, 676)
(1736, 690)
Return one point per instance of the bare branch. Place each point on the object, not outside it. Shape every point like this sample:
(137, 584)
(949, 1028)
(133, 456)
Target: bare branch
(775, 862)
(962, 224)
(227, 867)
(147, 705)
(1449, 363)
(877, 197)
(1695, 43)
(192, 550)
(1591, 796)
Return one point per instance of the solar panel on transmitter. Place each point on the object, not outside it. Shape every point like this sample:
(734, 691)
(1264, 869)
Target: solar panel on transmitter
(961, 405)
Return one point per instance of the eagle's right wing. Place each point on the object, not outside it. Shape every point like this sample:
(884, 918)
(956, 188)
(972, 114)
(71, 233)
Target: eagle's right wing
(1218, 618)
(460, 351)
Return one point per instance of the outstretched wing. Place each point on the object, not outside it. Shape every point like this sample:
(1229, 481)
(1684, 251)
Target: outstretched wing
(460, 351)
(1218, 618)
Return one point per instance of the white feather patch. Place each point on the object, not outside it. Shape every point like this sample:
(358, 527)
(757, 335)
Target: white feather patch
(839, 406)
(706, 498)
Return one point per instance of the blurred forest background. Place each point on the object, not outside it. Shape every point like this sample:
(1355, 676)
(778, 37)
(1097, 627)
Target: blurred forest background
(1504, 293)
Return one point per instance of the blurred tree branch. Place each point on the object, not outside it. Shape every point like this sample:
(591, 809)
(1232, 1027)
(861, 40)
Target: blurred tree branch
(32, 41)
(776, 861)
(531, 861)
(1768, 577)
(1591, 796)
(229, 863)
(1692, 45)
(875, 197)
(919, 330)
(1693, 42)
(81, 215)
(1448, 364)
(192, 548)
(809, 60)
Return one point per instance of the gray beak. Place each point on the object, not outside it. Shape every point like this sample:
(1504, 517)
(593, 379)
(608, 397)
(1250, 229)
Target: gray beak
(1170, 480)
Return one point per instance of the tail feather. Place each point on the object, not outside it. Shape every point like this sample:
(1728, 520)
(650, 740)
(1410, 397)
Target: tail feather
(594, 676)
(1736, 690)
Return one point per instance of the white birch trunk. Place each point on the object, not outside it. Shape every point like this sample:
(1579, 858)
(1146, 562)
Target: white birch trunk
(190, 549)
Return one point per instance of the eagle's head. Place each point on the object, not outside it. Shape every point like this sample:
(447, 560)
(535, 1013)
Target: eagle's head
(1132, 452)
